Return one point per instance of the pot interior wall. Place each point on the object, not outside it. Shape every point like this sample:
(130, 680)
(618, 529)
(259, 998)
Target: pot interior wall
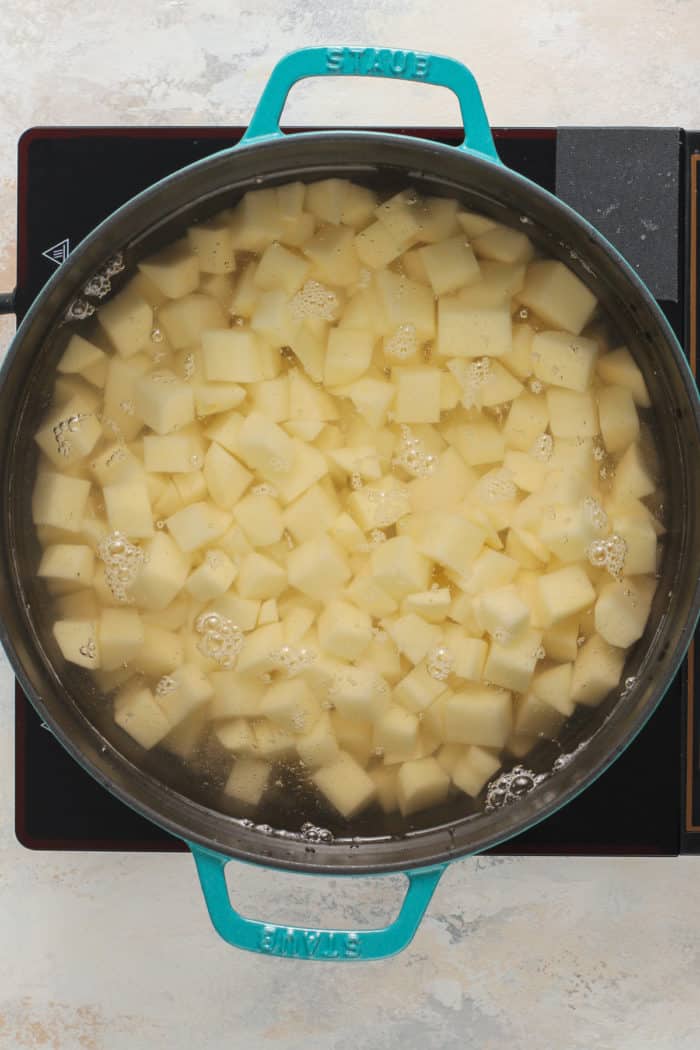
(188, 801)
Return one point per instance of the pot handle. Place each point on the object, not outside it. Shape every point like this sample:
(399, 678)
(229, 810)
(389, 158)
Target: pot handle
(301, 942)
(372, 62)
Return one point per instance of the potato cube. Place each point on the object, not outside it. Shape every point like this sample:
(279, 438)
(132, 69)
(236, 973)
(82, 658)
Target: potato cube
(307, 400)
(449, 265)
(431, 606)
(417, 395)
(79, 356)
(212, 398)
(472, 331)
(468, 654)
(553, 685)
(279, 267)
(318, 747)
(272, 742)
(420, 784)
(318, 568)
(412, 636)
(129, 509)
(567, 531)
(557, 296)
(381, 655)
(184, 320)
(354, 736)
(450, 540)
(401, 216)
(619, 369)
(256, 220)
(564, 592)
(519, 359)
(479, 714)
(197, 525)
(474, 224)
(78, 641)
(359, 693)
(371, 398)
(445, 488)
(404, 302)
(348, 355)
(478, 443)
(185, 739)
(235, 695)
(137, 712)
(212, 577)
(291, 705)
(527, 420)
(164, 402)
(260, 518)
(366, 593)
(212, 244)
(265, 447)
(503, 244)
(376, 247)
(597, 671)
(332, 251)
(174, 270)
(399, 568)
(268, 612)
(70, 564)
(127, 319)
(226, 478)
(326, 199)
(260, 577)
(561, 640)
(418, 689)
(121, 636)
(379, 505)
(512, 664)
(172, 453)
(633, 479)
(191, 488)
(314, 512)
(69, 433)
(161, 575)
(235, 734)
(192, 689)
(232, 355)
(619, 422)
(563, 360)
(346, 785)
(502, 613)
(160, 653)
(59, 501)
(248, 779)
(384, 778)
(344, 630)
(473, 769)
(622, 610)
(357, 206)
(396, 732)
(572, 415)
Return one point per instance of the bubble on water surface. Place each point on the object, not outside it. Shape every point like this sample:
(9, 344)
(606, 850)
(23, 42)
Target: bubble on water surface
(221, 639)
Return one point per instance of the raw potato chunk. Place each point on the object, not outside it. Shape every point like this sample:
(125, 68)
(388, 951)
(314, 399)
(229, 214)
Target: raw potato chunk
(346, 785)
(71, 565)
(127, 320)
(565, 592)
(260, 577)
(174, 270)
(164, 402)
(479, 714)
(162, 574)
(192, 689)
(121, 637)
(502, 244)
(632, 477)
(212, 245)
(557, 296)
(396, 732)
(449, 265)
(622, 610)
(226, 478)
(232, 356)
(260, 518)
(473, 769)
(417, 395)
(248, 779)
(129, 508)
(511, 663)
(563, 360)
(184, 320)
(472, 331)
(399, 568)
(318, 747)
(421, 784)
(597, 671)
(213, 577)
(197, 525)
(291, 705)
(78, 642)
(344, 630)
(80, 355)
(137, 712)
(59, 501)
(572, 415)
(348, 355)
(619, 369)
(619, 422)
(450, 540)
(318, 568)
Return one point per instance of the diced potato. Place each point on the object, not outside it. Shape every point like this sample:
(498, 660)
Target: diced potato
(376, 247)
(212, 244)
(69, 433)
(164, 402)
(137, 712)
(359, 693)
(473, 769)
(78, 641)
(619, 369)
(619, 422)
(318, 747)
(344, 630)
(405, 302)
(479, 714)
(354, 736)
(432, 606)
(161, 575)
(633, 479)
(622, 610)
(184, 320)
(597, 671)
(332, 251)
(176, 453)
(265, 447)
(572, 415)
(127, 319)
(198, 525)
(472, 331)
(318, 568)
(478, 443)
(192, 689)
(291, 705)
(444, 488)
(273, 743)
(421, 784)
(563, 360)
(248, 779)
(371, 397)
(417, 395)
(449, 265)
(384, 778)
(418, 689)
(502, 244)
(211, 398)
(560, 641)
(511, 664)
(226, 478)
(381, 656)
(260, 577)
(308, 466)
(129, 508)
(412, 636)
(399, 567)
(348, 355)
(280, 268)
(212, 577)
(557, 296)
(316, 511)
(260, 518)
(567, 531)
(121, 636)
(308, 401)
(71, 565)
(527, 420)
(235, 734)
(502, 612)
(232, 355)
(345, 785)
(379, 505)
(160, 653)
(174, 270)
(450, 540)
(565, 592)
(640, 542)
(367, 594)
(80, 355)
(468, 654)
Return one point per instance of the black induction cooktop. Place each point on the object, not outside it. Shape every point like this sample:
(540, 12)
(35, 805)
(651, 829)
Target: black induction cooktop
(640, 187)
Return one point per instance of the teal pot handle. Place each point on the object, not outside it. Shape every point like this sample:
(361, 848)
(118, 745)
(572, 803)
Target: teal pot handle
(302, 942)
(372, 62)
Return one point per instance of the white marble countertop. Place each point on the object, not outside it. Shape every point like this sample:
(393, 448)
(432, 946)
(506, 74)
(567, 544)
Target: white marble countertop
(115, 952)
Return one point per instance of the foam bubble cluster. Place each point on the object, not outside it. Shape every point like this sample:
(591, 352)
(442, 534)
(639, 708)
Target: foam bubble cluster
(221, 639)
(498, 487)
(292, 660)
(412, 457)
(477, 375)
(165, 685)
(63, 428)
(596, 515)
(89, 649)
(123, 561)
(440, 663)
(402, 343)
(314, 300)
(608, 554)
(542, 448)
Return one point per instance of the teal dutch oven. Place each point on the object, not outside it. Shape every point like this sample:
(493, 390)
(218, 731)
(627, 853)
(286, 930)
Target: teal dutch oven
(62, 695)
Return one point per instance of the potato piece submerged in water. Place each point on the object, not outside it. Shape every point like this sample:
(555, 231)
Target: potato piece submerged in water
(336, 483)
